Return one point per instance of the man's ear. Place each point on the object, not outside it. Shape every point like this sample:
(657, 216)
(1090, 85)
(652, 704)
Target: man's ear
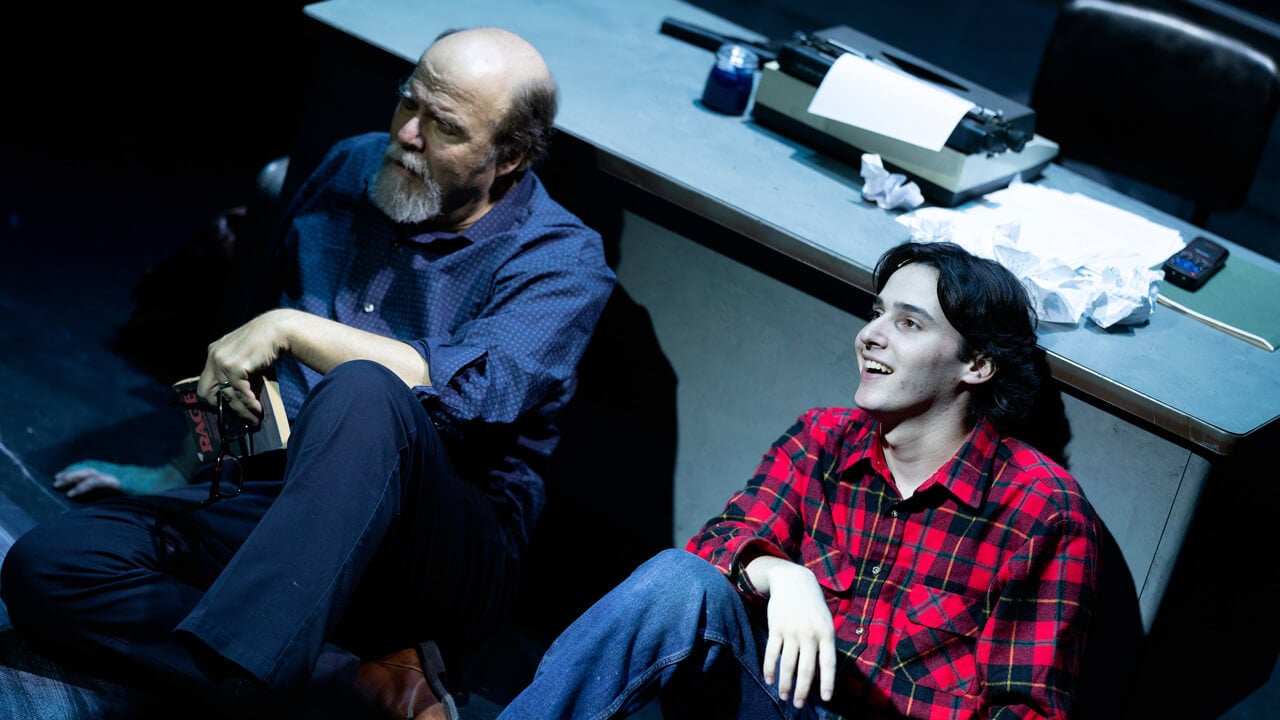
(980, 370)
(511, 164)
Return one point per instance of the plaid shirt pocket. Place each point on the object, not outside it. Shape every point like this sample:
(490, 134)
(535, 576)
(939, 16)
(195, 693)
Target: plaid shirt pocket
(938, 638)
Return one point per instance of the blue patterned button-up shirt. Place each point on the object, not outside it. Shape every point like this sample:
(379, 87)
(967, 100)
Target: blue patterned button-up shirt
(502, 312)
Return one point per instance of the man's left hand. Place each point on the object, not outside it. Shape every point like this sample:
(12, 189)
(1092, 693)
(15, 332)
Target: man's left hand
(802, 640)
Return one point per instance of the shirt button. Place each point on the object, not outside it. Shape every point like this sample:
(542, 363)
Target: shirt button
(893, 513)
(875, 570)
(368, 307)
(858, 631)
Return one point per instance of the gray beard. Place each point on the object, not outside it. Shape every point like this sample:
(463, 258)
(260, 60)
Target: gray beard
(408, 200)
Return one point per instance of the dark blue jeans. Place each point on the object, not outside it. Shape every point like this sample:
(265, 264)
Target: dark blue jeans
(676, 629)
(371, 542)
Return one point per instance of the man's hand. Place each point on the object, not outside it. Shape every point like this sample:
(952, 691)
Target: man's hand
(236, 357)
(319, 343)
(802, 637)
(100, 476)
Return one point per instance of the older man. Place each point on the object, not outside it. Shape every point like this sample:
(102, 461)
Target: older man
(436, 304)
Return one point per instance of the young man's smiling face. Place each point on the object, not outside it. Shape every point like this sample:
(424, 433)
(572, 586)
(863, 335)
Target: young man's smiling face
(909, 354)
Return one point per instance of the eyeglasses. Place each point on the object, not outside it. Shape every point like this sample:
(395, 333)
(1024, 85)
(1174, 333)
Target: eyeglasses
(228, 476)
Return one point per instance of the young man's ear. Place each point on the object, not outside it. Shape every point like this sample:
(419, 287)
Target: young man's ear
(980, 370)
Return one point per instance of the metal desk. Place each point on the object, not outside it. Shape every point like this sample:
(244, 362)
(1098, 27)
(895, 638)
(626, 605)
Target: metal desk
(630, 92)
(1189, 392)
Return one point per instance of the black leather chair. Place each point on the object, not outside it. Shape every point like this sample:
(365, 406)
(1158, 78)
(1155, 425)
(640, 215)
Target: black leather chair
(1158, 99)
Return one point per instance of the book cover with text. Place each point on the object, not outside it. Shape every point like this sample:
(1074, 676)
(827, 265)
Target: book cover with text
(270, 433)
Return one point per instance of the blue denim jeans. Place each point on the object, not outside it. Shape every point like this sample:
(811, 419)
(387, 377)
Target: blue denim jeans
(676, 629)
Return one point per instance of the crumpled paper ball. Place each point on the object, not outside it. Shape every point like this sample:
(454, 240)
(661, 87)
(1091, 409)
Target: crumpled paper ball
(1075, 265)
(1125, 296)
(1060, 293)
(890, 191)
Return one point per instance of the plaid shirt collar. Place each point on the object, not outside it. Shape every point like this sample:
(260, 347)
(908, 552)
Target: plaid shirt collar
(965, 477)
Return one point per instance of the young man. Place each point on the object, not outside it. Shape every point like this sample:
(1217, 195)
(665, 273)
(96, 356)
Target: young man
(436, 304)
(906, 558)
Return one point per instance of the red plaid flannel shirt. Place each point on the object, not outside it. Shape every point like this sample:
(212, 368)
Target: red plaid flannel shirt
(968, 600)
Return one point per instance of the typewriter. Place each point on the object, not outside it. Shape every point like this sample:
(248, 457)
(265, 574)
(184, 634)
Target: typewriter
(992, 144)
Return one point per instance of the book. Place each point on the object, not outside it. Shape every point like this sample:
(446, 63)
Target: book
(1240, 299)
(270, 433)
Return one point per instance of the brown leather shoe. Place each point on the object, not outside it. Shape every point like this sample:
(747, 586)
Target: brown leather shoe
(409, 684)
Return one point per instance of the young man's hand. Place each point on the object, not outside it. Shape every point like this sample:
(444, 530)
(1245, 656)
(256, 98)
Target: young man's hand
(802, 639)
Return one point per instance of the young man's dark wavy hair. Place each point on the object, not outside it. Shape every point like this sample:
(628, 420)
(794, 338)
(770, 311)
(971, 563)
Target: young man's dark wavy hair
(992, 311)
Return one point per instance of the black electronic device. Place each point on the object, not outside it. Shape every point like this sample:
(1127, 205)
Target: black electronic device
(994, 124)
(1193, 265)
(699, 36)
(991, 145)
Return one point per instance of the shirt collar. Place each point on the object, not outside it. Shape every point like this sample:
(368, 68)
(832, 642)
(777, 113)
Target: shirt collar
(862, 443)
(967, 476)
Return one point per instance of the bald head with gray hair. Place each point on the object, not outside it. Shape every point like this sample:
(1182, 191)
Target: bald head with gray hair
(525, 127)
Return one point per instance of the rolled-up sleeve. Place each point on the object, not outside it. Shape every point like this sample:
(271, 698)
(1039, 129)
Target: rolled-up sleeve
(527, 340)
(764, 518)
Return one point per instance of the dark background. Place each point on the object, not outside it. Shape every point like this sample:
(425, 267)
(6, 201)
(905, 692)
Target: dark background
(127, 129)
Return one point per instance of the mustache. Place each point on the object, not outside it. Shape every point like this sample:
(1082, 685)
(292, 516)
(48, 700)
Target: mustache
(413, 163)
